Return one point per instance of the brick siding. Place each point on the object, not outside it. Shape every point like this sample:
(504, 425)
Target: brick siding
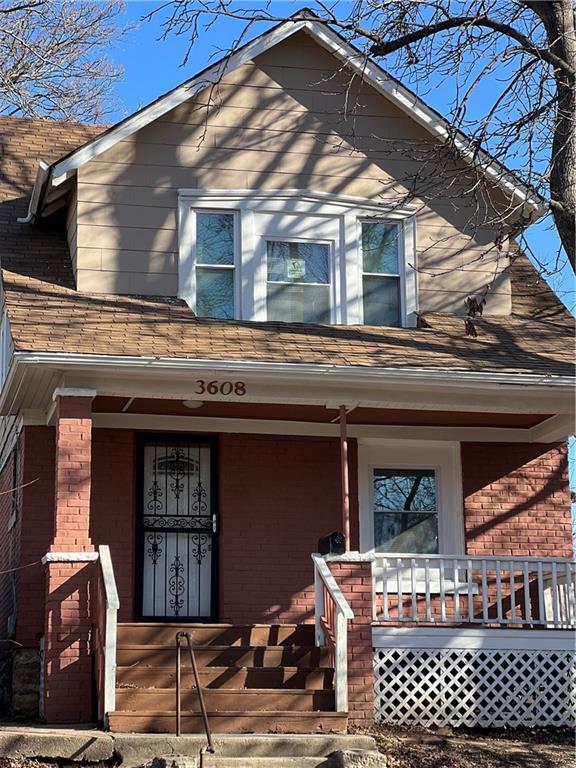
(68, 671)
(9, 542)
(516, 499)
(278, 495)
(355, 581)
(112, 514)
(37, 530)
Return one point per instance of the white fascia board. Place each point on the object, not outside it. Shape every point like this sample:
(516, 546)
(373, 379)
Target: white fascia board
(178, 96)
(335, 373)
(369, 71)
(467, 638)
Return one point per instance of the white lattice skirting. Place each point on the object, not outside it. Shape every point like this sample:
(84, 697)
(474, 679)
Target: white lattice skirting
(484, 687)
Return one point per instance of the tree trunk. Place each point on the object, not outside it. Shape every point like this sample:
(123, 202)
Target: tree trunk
(558, 19)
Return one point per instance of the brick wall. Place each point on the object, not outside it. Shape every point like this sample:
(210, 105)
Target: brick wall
(9, 543)
(278, 495)
(9, 554)
(112, 510)
(516, 499)
(355, 581)
(37, 530)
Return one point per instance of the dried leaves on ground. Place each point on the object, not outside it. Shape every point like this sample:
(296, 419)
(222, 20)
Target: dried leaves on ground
(411, 748)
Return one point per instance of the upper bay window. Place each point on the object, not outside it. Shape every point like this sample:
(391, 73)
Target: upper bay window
(215, 264)
(381, 277)
(298, 281)
(296, 257)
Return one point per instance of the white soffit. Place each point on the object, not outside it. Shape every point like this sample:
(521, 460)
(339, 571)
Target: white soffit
(355, 59)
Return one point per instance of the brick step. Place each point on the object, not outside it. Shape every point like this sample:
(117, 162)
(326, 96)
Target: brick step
(229, 677)
(225, 656)
(261, 700)
(217, 634)
(230, 722)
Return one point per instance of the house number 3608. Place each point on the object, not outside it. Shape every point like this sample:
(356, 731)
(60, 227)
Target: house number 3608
(221, 388)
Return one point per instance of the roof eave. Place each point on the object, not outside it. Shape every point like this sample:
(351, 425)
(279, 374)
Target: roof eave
(331, 41)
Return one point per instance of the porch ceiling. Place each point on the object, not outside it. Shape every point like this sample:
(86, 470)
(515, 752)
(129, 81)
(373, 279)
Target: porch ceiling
(317, 414)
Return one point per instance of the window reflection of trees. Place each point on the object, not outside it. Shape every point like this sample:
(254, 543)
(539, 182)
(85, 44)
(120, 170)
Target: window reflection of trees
(405, 503)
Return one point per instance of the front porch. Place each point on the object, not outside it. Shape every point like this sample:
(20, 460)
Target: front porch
(497, 653)
(212, 507)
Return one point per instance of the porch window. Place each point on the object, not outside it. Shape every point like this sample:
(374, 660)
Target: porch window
(405, 510)
(215, 265)
(381, 273)
(298, 281)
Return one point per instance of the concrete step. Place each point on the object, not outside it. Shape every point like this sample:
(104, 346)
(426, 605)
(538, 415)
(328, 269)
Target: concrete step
(216, 634)
(230, 722)
(352, 758)
(138, 748)
(310, 678)
(267, 700)
(225, 656)
(217, 761)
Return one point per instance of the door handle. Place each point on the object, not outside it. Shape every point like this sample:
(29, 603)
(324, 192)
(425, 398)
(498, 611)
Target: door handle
(214, 526)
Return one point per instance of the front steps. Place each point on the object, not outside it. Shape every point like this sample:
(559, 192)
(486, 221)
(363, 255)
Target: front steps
(256, 679)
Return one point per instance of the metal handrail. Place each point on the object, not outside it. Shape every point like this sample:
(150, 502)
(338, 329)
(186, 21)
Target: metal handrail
(188, 636)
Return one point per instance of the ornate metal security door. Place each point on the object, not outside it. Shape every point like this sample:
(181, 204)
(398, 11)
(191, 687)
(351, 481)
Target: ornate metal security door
(178, 529)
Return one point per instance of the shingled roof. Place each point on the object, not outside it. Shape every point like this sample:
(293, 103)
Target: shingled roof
(47, 314)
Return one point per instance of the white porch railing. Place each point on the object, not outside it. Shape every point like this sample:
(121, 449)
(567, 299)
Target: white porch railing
(332, 614)
(106, 612)
(492, 591)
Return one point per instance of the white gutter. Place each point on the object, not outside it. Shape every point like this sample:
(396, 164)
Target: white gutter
(333, 373)
(41, 178)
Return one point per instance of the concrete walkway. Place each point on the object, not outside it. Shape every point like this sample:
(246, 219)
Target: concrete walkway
(132, 750)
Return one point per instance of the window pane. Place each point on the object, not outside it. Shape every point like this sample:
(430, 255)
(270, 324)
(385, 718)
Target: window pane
(381, 300)
(406, 532)
(215, 238)
(410, 490)
(215, 292)
(380, 247)
(298, 262)
(299, 303)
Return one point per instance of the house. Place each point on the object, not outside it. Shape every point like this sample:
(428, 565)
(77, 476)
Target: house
(227, 333)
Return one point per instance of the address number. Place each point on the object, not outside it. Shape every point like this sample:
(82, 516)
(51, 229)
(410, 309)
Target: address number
(220, 388)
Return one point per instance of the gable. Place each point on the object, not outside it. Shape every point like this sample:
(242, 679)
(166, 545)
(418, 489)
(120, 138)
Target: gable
(349, 57)
(274, 125)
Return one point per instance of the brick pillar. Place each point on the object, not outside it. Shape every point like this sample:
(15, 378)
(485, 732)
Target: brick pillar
(355, 581)
(69, 569)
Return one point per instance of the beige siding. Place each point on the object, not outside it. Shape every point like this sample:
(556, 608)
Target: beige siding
(272, 125)
(72, 229)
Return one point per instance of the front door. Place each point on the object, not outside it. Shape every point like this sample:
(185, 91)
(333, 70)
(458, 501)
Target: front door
(177, 529)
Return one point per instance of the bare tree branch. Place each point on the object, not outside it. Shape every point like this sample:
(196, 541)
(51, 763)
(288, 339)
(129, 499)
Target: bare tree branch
(55, 58)
(520, 54)
(384, 48)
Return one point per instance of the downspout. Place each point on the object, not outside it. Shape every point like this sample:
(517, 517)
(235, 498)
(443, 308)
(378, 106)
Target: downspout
(41, 178)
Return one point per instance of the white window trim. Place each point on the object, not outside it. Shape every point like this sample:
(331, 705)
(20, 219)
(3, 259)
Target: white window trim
(441, 456)
(250, 272)
(332, 268)
(402, 268)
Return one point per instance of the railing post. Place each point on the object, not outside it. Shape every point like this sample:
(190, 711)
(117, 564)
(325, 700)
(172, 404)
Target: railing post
(112, 603)
(341, 665)
(319, 607)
